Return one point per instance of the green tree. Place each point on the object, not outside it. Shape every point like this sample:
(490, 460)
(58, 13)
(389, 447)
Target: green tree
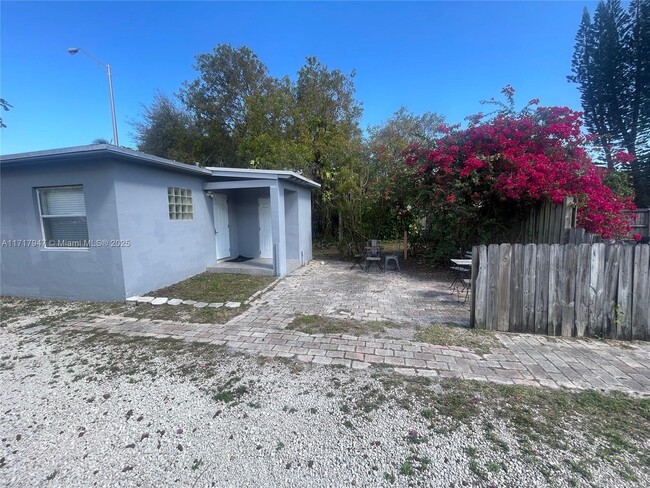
(217, 99)
(168, 131)
(389, 199)
(327, 119)
(270, 137)
(5, 106)
(611, 65)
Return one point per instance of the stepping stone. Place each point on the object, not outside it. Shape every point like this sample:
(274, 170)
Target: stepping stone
(189, 302)
(145, 299)
(201, 304)
(216, 305)
(159, 301)
(174, 302)
(233, 304)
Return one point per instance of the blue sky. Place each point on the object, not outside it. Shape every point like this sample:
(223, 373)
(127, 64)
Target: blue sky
(433, 56)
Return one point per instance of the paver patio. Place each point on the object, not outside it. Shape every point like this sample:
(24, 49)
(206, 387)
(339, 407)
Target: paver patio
(333, 289)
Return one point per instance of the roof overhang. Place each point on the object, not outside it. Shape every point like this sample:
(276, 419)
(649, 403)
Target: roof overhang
(96, 152)
(263, 174)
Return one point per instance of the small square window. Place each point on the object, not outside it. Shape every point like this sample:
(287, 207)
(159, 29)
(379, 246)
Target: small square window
(179, 201)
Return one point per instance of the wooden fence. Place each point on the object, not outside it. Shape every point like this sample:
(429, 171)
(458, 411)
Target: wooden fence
(595, 290)
(641, 222)
(547, 223)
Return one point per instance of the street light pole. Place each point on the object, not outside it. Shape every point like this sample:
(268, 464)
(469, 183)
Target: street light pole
(75, 50)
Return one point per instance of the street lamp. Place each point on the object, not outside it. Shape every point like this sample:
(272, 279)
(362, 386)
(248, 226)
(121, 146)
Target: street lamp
(75, 50)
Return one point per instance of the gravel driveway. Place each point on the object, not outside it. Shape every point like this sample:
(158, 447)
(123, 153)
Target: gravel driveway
(99, 409)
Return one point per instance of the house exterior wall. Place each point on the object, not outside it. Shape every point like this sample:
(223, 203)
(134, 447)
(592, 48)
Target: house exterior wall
(162, 251)
(125, 195)
(292, 224)
(304, 216)
(94, 273)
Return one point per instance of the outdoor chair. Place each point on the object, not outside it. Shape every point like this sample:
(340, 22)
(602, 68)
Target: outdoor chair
(373, 255)
(391, 257)
(359, 256)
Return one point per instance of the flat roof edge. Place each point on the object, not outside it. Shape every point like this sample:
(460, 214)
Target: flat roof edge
(98, 149)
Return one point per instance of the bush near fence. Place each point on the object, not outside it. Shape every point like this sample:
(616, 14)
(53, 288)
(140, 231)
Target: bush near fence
(593, 290)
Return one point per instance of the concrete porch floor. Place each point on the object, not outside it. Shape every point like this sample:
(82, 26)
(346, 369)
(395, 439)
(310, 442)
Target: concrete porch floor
(255, 266)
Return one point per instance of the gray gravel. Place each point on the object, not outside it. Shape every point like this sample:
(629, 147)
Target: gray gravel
(102, 412)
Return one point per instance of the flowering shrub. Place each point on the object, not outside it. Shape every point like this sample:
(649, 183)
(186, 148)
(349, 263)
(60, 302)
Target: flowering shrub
(495, 170)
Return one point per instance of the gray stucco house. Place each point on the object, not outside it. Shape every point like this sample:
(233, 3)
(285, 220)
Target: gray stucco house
(102, 222)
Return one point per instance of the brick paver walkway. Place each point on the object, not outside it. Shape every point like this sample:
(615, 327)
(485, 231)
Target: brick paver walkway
(332, 289)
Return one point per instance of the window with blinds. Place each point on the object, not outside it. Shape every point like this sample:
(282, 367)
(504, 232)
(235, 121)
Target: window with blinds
(63, 213)
(180, 204)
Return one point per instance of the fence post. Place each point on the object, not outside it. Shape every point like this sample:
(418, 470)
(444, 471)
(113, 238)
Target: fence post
(568, 216)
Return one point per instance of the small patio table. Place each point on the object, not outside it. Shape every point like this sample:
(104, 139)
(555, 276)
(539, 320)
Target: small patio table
(462, 268)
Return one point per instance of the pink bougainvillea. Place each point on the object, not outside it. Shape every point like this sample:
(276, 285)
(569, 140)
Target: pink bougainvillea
(530, 157)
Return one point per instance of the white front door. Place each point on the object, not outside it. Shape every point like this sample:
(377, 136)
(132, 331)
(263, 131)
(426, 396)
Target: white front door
(266, 233)
(221, 227)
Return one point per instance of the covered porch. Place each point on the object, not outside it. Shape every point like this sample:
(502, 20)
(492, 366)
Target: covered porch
(262, 218)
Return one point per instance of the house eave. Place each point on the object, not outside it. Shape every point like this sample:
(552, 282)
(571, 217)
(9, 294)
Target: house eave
(97, 151)
(262, 174)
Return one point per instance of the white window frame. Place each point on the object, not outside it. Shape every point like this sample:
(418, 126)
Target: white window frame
(41, 216)
(183, 199)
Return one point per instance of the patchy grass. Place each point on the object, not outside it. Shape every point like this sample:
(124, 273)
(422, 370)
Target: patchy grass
(618, 425)
(206, 287)
(215, 287)
(229, 392)
(478, 340)
(179, 313)
(317, 324)
(30, 312)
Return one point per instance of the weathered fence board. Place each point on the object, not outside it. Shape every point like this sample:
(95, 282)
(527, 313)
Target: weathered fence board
(503, 288)
(640, 314)
(492, 279)
(541, 288)
(554, 279)
(529, 288)
(595, 290)
(568, 290)
(479, 299)
(611, 282)
(583, 281)
(624, 305)
(516, 315)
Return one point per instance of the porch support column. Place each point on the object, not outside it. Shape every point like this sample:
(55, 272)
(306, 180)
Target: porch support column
(278, 230)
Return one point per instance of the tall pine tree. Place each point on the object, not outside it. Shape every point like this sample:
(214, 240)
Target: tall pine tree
(611, 65)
